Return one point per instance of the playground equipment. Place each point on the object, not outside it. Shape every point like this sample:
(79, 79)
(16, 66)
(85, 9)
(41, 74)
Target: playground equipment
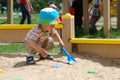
(107, 48)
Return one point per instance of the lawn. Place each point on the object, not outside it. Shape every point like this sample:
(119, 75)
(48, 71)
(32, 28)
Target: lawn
(114, 34)
(12, 48)
(3, 19)
(15, 48)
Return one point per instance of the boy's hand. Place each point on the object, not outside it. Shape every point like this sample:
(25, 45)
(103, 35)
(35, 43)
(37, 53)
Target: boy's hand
(44, 53)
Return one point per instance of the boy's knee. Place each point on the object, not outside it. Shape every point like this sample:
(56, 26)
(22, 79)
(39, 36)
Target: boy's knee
(28, 48)
(50, 44)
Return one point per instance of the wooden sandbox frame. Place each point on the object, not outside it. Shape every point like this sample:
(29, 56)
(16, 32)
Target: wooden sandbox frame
(107, 48)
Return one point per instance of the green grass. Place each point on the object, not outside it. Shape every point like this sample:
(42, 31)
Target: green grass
(3, 19)
(33, 16)
(14, 48)
(56, 50)
(3, 15)
(114, 33)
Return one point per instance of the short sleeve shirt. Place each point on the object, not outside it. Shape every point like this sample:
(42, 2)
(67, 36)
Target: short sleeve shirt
(36, 34)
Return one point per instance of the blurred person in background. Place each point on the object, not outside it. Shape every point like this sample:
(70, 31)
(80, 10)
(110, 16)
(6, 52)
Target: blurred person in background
(26, 9)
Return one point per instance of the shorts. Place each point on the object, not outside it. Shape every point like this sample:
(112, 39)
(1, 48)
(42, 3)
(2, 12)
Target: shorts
(48, 44)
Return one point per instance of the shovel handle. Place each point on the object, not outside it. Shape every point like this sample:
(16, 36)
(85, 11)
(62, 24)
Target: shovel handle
(65, 51)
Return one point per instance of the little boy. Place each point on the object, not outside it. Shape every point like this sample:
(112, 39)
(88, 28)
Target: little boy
(39, 39)
(94, 16)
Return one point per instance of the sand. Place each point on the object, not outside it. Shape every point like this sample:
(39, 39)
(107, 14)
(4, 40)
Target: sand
(87, 67)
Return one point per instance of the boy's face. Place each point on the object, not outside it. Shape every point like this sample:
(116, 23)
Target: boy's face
(50, 27)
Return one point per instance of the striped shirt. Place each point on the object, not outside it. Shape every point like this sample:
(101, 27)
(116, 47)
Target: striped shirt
(36, 34)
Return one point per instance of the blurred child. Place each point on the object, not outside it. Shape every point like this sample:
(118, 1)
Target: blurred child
(94, 16)
(55, 7)
(39, 39)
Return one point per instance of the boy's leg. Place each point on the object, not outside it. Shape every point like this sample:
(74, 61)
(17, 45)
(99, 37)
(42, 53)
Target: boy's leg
(31, 52)
(48, 44)
(92, 26)
(23, 14)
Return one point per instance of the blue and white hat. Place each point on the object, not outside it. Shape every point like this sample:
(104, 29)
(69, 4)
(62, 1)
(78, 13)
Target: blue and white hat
(48, 16)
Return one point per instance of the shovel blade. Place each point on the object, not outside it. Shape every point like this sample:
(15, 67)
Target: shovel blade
(71, 60)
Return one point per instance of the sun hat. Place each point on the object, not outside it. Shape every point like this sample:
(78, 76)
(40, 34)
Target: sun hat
(48, 16)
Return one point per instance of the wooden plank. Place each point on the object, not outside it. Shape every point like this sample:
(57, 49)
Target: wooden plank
(105, 51)
(68, 30)
(106, 12)
(25, 26)
(95, 41)
(10, 11)
(85, 15)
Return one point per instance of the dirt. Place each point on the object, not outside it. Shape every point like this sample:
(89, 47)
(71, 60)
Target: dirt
(87, 67)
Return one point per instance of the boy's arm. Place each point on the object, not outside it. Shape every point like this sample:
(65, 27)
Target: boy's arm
(37, 47)
(57, 36)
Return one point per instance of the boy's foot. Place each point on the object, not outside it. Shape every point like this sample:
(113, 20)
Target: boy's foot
(30, 60)
(49, 57)
(40, 57)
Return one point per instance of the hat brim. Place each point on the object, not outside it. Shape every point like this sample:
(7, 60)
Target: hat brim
(48, 22)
